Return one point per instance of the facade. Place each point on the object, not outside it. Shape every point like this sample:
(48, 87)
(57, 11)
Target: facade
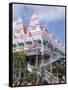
(43, 50)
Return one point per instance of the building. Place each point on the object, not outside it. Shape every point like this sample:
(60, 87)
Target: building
(43, 50)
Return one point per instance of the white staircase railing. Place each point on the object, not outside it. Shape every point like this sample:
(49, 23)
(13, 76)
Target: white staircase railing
(47, 62)
(49, 77)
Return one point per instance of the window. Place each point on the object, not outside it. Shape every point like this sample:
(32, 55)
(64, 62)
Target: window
(33, 27)
(14, 45)
(37, 41)
(45, 43)
(21, 44)
(57, 50)
(61, 52)
(29, 42)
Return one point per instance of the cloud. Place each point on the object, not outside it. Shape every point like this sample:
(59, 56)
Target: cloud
(17, 11)
(50, 13)
(45, 14)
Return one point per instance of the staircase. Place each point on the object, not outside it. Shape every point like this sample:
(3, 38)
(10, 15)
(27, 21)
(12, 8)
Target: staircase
(49, 77)
(48, 61)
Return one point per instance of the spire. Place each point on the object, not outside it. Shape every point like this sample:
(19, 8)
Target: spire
(19, 23)
(18, 28)
(34, 22)
(34, 16)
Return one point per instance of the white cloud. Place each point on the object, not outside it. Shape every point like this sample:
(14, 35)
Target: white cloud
(50, 14)
(45, 14)
(17, 11)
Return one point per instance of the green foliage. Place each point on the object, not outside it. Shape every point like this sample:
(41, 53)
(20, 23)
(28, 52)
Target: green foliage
(19, 59)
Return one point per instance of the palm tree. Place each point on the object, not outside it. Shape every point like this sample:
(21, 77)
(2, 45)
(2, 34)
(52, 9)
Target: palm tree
(19, 62)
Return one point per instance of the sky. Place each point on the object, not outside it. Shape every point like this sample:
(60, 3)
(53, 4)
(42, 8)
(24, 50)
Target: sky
(51, 16)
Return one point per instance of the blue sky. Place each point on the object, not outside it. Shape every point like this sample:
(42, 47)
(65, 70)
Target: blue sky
(50, 16)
